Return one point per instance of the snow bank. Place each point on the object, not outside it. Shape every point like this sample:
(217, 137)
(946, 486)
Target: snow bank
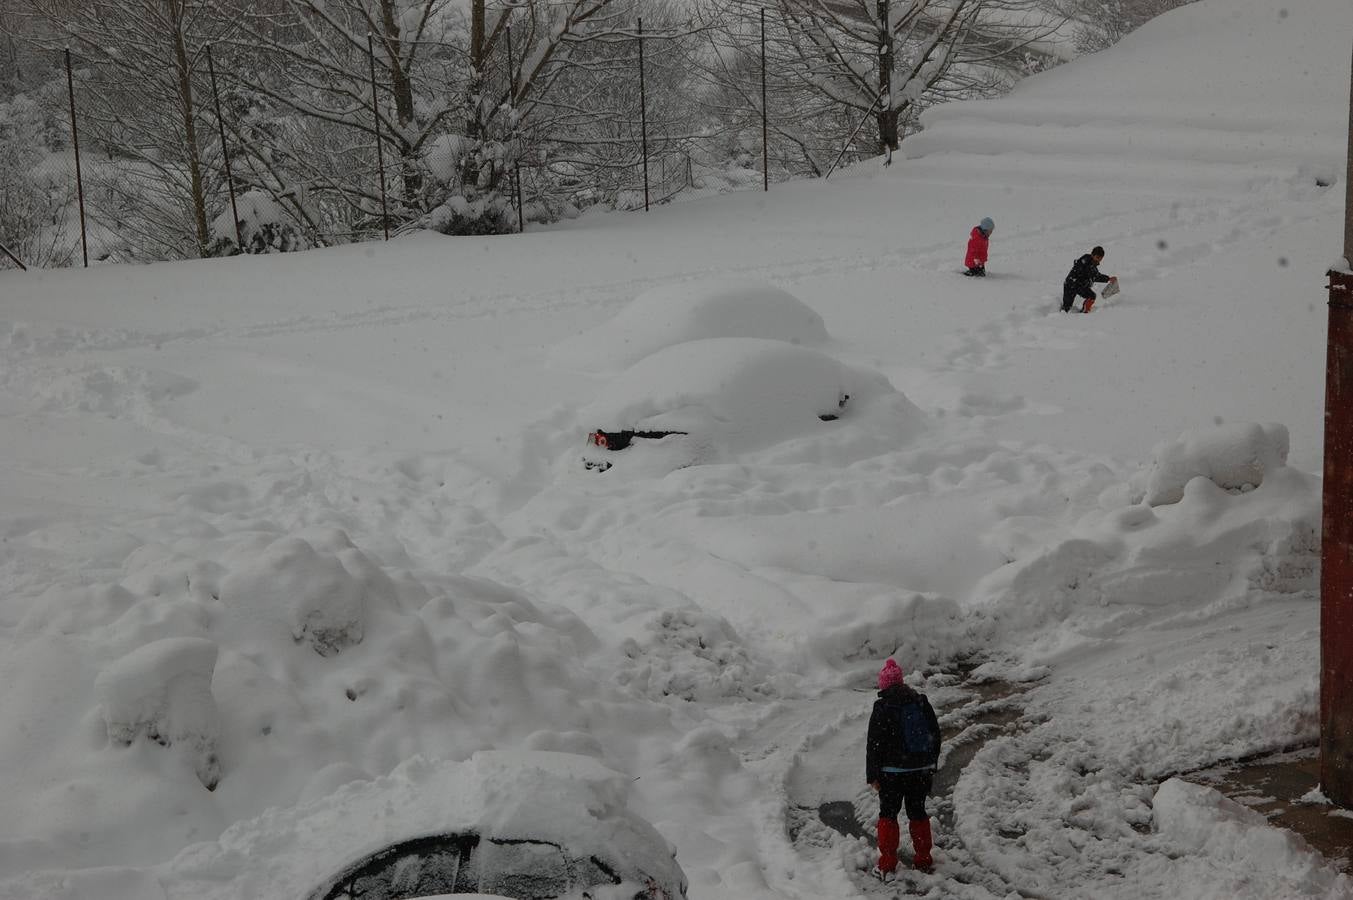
(1233, 457)
(689, 311)
(162, 691)
(1244, 528)
(1244, 849)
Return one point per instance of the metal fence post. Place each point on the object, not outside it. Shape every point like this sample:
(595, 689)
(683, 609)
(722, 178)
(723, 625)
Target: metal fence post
(643, 112)
(765, 120)
(225, 151)
(512, 99)
(18, 262)
(380, 151)
(75, 142)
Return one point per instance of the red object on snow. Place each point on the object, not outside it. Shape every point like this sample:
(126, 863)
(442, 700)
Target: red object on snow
(977, 249)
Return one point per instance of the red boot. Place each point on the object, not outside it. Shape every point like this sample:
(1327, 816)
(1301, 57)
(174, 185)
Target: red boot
(889, 835)
(921, 843)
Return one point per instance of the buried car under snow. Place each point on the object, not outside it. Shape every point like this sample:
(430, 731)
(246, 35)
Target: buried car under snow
(516, 824)
(706, 400)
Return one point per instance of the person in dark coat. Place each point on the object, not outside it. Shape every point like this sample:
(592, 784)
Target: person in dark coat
(976, 257)
(1082, 278)
(900, 777)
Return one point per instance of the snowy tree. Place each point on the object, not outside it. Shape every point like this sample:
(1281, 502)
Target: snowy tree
(546, 36)
(307, 99)
(140, 65)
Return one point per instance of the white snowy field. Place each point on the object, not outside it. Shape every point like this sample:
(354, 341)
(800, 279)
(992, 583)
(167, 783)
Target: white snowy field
(287, 542)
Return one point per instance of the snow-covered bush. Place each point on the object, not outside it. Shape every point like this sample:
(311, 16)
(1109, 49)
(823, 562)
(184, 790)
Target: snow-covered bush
(33, 205)
(472, 175)
(265, 227)
(1234, 457)
(162, 691)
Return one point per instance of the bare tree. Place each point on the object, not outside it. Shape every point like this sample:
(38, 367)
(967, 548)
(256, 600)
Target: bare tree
(1103, 23)
(836, 62)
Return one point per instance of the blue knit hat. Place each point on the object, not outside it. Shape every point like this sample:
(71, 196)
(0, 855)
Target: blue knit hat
(987, 225)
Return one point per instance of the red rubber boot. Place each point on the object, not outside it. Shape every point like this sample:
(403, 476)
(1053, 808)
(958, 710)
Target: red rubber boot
(889, 835)
(921, 843)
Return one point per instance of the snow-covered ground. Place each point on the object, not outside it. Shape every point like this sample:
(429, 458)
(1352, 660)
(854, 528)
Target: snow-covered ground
(280, 534)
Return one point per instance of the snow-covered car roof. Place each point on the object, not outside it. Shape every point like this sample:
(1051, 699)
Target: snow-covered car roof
(722, 396)
(494, 800)
(691, 311)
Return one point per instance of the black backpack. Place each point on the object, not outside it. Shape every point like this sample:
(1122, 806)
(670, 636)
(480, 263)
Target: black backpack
(920, 741)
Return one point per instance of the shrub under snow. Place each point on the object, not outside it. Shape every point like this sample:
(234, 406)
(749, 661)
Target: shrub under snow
(320, 594)
(162, 691)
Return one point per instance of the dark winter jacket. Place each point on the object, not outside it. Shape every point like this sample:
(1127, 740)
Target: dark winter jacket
(884, 746)
(977, 249)
(1084, 273)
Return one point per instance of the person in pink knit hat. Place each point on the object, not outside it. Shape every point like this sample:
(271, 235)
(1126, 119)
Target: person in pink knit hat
(901, 754)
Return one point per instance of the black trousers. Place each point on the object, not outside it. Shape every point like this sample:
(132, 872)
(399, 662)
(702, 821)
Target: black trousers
(1069, 296)
(910, 788)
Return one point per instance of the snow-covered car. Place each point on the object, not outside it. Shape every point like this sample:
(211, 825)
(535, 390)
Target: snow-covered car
(693, 310)
(460, 863)
(514, 824)
(707, 400)
(539, 826)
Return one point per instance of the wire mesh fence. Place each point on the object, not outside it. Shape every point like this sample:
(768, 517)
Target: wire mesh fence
(226, 139)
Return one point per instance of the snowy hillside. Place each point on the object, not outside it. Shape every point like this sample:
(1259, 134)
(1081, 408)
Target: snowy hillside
(292, 544)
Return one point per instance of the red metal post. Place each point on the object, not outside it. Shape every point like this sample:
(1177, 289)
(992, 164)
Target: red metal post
(1336, 545)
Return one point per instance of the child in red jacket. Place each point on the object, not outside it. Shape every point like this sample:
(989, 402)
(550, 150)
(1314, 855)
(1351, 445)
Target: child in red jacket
(976, 260)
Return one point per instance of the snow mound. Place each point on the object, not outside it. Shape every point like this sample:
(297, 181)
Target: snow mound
(1233, 457)
(162, 692)
(112, 390)
(1245, 847)
(319, 595)
(1114, 569)
(690, 311)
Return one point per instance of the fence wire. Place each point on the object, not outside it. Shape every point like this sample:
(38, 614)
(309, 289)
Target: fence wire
(191, 158)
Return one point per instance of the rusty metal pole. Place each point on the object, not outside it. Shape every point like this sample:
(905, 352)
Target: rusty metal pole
(75, 143)
(225, 151)
(1336, 544)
